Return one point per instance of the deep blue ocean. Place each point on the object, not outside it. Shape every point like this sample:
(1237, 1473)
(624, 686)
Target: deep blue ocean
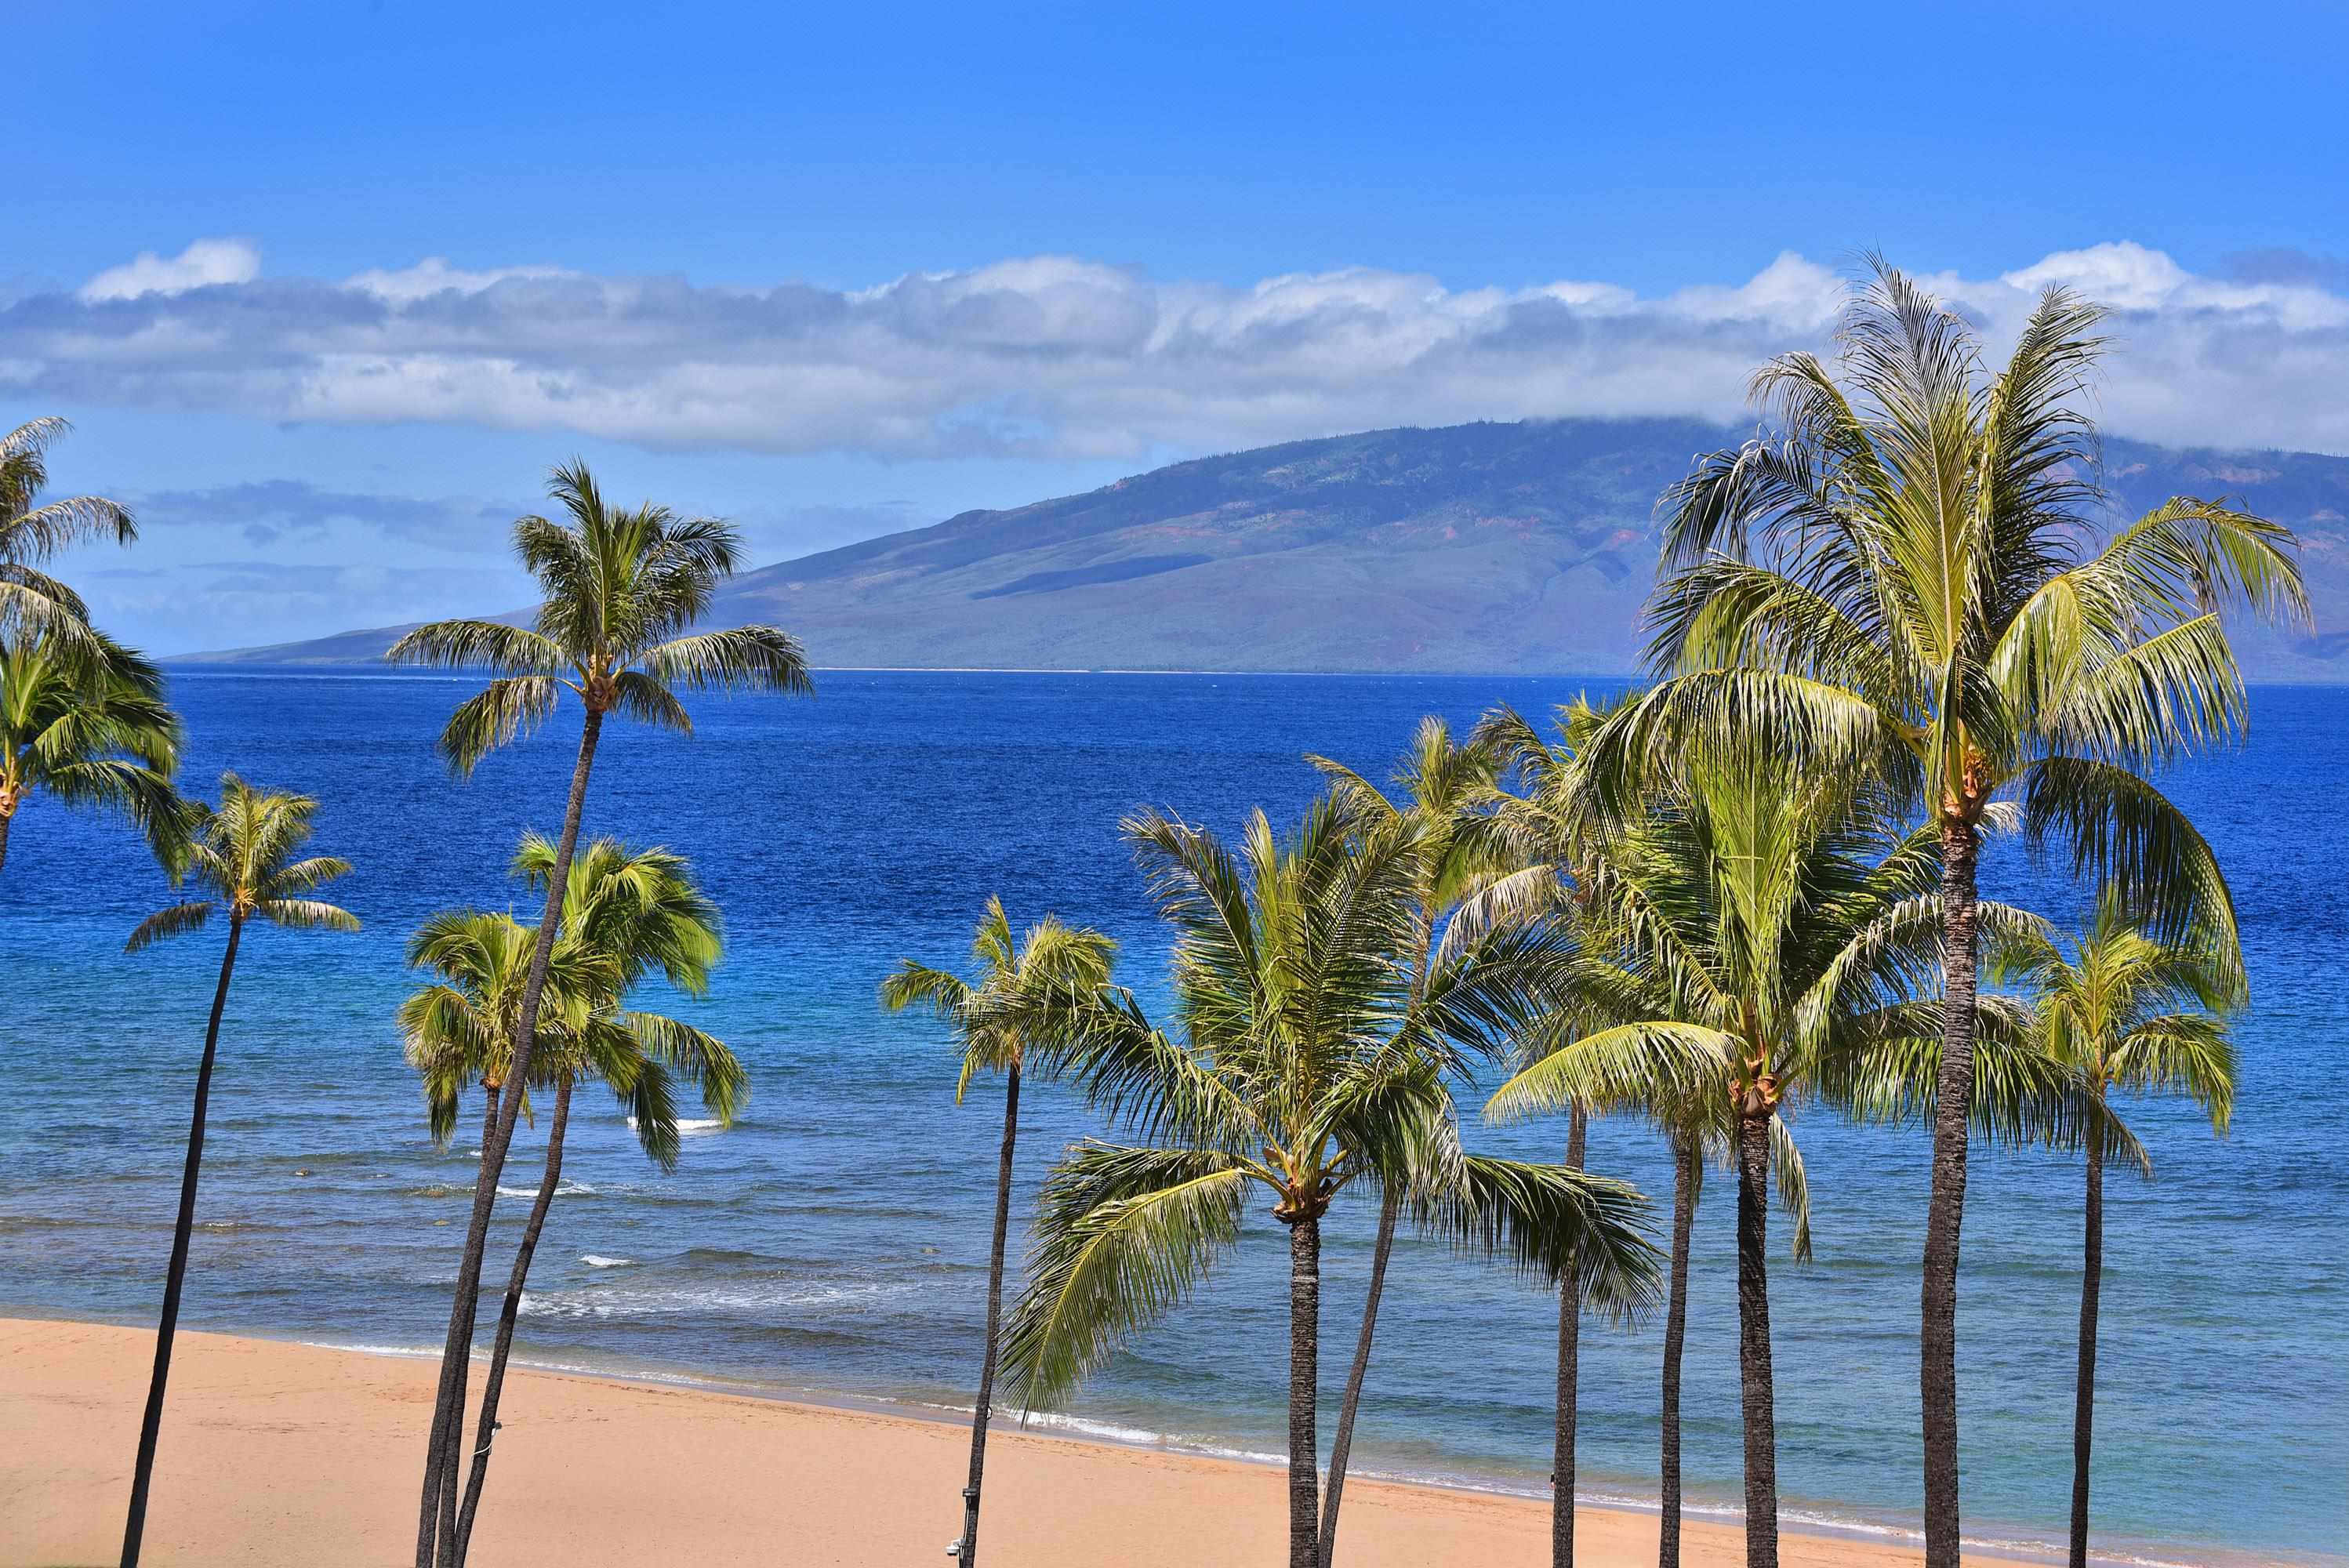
(833, 1242)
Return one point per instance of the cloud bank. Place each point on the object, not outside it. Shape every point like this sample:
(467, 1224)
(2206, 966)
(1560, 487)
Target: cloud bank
(1054, 357)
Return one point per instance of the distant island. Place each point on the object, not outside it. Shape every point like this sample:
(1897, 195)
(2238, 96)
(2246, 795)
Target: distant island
(1488, 548)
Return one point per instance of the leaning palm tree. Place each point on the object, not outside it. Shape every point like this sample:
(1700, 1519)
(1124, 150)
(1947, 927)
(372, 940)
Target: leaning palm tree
(1030, 989)
(1915, 569)
(623, 588)
(93, 732)
(1303, 1068)
(2133, 1012)
(1782, 922)
(1445, 786)
(31, 601)
(628, 913)
(241, 851)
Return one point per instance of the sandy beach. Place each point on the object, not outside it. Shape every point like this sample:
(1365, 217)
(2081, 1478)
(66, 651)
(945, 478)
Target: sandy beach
(294, 1454)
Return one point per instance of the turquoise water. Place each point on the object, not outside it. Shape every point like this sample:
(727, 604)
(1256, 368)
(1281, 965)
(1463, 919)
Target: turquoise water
(835, 1241)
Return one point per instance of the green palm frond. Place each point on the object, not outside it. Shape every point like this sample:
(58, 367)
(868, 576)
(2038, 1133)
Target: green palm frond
(1551, 1222)
(502, 710)
(306, 914)
(479, 645)
(1123, 1236)
(750, 658)
(700, 1059)
(1629, 1067)
(1793, 1184)
(177, 920)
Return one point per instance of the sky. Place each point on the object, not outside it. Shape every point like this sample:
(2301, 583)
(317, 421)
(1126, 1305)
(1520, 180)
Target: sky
(326, 287)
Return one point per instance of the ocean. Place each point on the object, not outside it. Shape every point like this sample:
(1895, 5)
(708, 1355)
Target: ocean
(833, 1243)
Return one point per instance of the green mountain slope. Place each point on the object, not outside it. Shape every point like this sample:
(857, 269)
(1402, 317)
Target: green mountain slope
(1523, 547)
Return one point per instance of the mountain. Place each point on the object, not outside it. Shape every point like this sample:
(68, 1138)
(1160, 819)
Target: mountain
(1477, 548)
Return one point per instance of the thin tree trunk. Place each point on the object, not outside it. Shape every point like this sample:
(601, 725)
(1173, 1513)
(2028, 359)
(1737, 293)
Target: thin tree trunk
(1304, 1389)
(1754, 1376)
(7, 818)
(1569, 1381)
(1342, 1450)
(1945, 1214)
(1684, 1179)
(986, 1404)
(151, 1426)
(436, 1526)
(2083, 1414)
(442, 1482)
(493, 1385)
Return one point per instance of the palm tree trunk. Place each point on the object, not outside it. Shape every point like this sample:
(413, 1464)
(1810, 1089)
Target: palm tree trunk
(436, 1527)
(1945, 1212)
(7, 818)
(2083, 1411)
(1570, 1382)
(994, 1318)
(1684, 1177)
(1389, 1212)
(1755, 1377)
(444, 1483)
(493, 1385)
(1304, 1387)
(151, 1426)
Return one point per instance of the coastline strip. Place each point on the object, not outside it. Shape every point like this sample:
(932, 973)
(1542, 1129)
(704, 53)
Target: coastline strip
(281, 1452)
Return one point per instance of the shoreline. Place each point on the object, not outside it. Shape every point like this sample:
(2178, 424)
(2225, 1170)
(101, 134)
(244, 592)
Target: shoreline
(68, 1406)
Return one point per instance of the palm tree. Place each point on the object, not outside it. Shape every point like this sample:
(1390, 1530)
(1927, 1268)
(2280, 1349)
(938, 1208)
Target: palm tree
(1782, 922)
(622, 587)
(1029, 988)
(1303, 1068)
(91, 732)
(243, 852)
(2132, 1012)
(1551, 822)
(629, 912)
(1915, 569)
(1445, 786)
(31, 531)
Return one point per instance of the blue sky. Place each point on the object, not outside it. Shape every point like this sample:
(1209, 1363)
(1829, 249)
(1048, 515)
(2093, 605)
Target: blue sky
(838, 272)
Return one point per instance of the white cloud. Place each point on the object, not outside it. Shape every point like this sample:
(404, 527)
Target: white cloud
(1063, 356)
(433, 275)
(204, 263)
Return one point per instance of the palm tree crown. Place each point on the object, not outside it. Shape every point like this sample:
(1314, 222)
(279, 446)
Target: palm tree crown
(32, 531)
(1030, 988)
(242, 850)
(93, 733)
(2134, 1012)
(622, 588)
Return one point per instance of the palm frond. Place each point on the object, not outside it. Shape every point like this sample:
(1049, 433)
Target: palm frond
(1123, 1236)
(176, 921)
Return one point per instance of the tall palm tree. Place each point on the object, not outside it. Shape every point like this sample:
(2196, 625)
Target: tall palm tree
(1783, 922)
(1030, 988)
(1303, 1068)
(1551, 827)
(623, 587)
(1444, 788)
(629, 912)
(91, 732)
(31, 601)
(243, 852)
(1915, 568)
(2136, 1013)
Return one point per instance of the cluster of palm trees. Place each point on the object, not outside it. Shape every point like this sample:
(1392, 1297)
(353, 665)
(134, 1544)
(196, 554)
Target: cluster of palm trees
(508, 1007)
(1886, 633)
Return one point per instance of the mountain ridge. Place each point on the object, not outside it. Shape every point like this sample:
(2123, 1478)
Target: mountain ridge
(1522, 548)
